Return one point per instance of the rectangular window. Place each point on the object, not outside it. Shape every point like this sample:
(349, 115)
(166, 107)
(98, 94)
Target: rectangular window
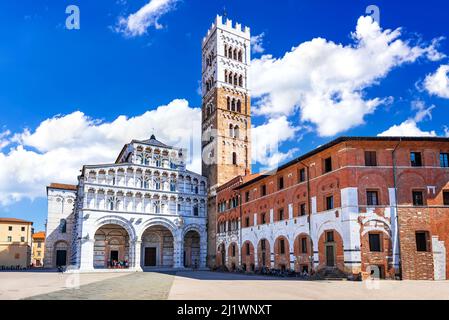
(22, 239)
(374, 242)
(303, 245)
(444, 160)
(329, 236)
(247, 221)
(281, 183)
(10, 228)
(421, 241)
(302, 209)
(329, 203)
(418, 198)
(263, 218)
(39, 244)
(415, 159)
(302, 175)
(233, 250)
(370, 158)
(263, 190)
(327, 165)
(372, 198)
(446, 198)
(9, 239)
(248, 252)
(247, 196)
(282, 246)
(23, 228)
(281, 214)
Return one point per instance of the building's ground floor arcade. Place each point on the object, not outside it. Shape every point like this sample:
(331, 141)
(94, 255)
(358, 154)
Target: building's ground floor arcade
(301, 254)
(158, 245)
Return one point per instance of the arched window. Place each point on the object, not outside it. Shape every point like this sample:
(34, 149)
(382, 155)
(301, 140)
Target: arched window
(230, 52)
(233, 105)
(234, 158)
(231, 130)
(195, 210)
(229, 103)
(235, 79)
(235, 54)
(240, 55)
(230, 77)
(239, 106)
(241, 81)
(236, 132)
(226, 50)
(226, 75)
(63, 225)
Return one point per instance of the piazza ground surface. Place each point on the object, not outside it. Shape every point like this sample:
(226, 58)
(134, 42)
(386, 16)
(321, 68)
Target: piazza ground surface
(203, 285)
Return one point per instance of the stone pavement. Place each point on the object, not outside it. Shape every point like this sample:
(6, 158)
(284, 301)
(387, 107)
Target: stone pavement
(203, 285)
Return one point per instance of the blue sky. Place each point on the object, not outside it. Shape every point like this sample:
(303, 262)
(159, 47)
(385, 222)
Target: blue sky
(49, 72)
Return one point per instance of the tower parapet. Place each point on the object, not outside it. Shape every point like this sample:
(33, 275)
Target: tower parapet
(229, 26)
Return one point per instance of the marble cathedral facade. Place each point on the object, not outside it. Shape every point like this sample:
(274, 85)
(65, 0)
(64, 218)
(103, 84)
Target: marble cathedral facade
(143, 211)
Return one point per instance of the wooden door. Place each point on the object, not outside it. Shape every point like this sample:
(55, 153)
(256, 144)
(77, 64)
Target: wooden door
(330, 256)
(150, 257)
(61, 258)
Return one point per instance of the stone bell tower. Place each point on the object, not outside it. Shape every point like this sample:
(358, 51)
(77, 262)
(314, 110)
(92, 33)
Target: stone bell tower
(226, 111)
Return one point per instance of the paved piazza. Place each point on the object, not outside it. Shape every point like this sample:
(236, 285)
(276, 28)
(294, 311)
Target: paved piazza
(204, 285)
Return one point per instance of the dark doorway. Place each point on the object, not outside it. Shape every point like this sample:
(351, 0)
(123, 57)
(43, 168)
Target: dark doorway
(61, 258)
(114, 255)
(150, 257)
(330, 256)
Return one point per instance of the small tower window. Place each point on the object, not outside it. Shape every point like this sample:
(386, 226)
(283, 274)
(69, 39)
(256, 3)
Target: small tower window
(239, 106)
(235, 54)
(236, 132)
(226, 50)
(63, 225)
(233, 105)
(234, 158)
(230, 77)
(231, 130)
(226, 75)
(229, 103)
(230, 52)
(241, 81)
(240, 55)
(235, 79)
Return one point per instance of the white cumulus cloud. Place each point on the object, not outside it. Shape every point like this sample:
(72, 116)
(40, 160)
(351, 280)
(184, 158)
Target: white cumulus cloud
(409, 128)
(438, 82)
(267, 139)
(257, 43)
(325, 81)
(137, 24)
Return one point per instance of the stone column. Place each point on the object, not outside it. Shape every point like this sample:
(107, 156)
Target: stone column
(87, 255)
(137, 255)
(178, 250)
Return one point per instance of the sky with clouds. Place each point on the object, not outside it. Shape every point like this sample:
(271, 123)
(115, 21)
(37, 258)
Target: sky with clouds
(320, 69)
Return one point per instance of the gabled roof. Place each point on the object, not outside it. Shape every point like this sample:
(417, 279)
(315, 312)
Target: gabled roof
(153, 141)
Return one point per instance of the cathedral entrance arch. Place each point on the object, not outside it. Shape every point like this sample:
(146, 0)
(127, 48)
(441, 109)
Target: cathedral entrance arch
(157, 247)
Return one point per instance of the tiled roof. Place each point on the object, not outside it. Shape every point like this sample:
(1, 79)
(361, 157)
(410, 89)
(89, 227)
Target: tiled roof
(14, 220)
(63, 186)
(154, 142)
(39, 235)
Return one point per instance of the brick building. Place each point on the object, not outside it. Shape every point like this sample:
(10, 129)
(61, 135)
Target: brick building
(335, 208)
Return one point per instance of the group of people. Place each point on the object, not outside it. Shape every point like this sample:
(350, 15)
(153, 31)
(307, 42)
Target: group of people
(118, 264)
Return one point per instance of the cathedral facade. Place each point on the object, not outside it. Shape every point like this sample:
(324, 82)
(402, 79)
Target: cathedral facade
(143, 211)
